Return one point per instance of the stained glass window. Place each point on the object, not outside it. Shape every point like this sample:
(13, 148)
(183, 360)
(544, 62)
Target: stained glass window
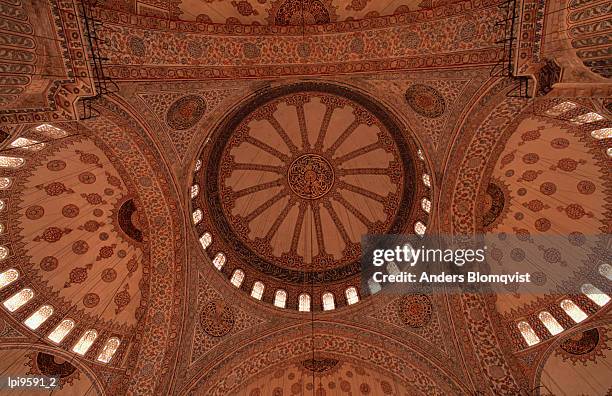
(594, 294)
(373, 286)
(18, 299)
(37, 318)
(5, 182)
(550, 323)
(351, 295)
(51, 131)
(603, 133)
(587, 118)
(61, 331)
(561, 108)
(195, 190)
(258, 289)
(328, 302)
(573, 311)
(304, 303)
(219, 260)
(7, 277)
(198, 165)
(29, 144)
(606, 270)
(420, 154)
(4, 252)
(11, 162)
(426, 205)
(426, 180)
(196, 216)
(419, 228)
(531, 338)
(237, 278)
(280, 298)
(205, 240)
(86, 341)
(111, 346)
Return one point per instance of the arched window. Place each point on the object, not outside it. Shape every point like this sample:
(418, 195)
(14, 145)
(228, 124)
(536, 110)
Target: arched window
(237, 278)
(2, 204)
(280, 298)
(550, 323)
(61, 331)
(606, 270)
(304, 303)
(111, 346)
(51, 131)
(11, 162)
(603, 133)
(594, 294)
(195, 190)
(2, 228)
(198, 165)
(609, 151)
(351, 295)
(219, 260)
(328, 302)
(392, 268)
(205, 240)
(5, 182)
(426, 205)
(561, 108)
(3, 252)
(257, 291)
(7, 277)
(28, 144)
(426, 180)
(18, 299)
(573, 311)
(531, 338)
(373, 286)
(587, 118)
(196, 216)
(419, 228)
(37, 318)
(86, 341)
(420, 154)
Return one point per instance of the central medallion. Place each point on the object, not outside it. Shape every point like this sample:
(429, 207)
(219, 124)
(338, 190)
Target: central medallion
(310, 176)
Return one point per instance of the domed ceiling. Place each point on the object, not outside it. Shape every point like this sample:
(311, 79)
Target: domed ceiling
(296, 177)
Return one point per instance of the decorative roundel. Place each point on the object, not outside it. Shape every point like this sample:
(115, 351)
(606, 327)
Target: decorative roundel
(415, 310)
(216, 318)
(186, 112)
(291, 180)
(425, 100)
(581, 343)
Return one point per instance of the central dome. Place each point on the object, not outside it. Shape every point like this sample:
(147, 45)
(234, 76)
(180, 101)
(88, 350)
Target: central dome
(296, 176)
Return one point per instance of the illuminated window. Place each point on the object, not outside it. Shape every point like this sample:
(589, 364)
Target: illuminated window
(7, 277)
(196, 216)
(328, 302)
(426, 180)
(609, 151)
(61, 331)
(586, 118)
(550, 323)
(561, 108)
(29, 144)
(5, 182)
(195, 190)
(18, 299)
(2, 204)
(258, 289)
(392, 268)
(219, 261)
(351, 295)
(594, 294)
(37, 318)
(4, 252)
(531, 338)
(304, 303)
(198, 165)
(237, 278)
(420, 154)
(51, 131)
(573, 311)
(11, 162)
(603, 133)
(419, 228)
(205, 240)
(280, 298)
(426, 204)
(86, 341)
(606, 270)
(1, 228)
(373, 286)
(111, 346)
